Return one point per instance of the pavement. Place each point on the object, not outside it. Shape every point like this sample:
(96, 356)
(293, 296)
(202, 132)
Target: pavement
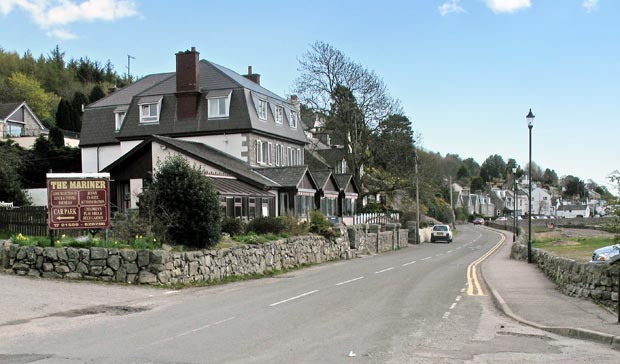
(522, 292)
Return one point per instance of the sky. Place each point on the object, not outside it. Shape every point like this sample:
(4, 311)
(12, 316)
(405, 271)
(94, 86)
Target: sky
(466, 72)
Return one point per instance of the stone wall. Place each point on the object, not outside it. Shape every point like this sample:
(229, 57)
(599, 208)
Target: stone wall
(369, 238)
(163, 267)
(598, 282)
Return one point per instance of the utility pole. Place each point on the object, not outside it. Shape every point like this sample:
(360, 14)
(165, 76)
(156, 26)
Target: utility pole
(451, 205)
(417, 200)
(129, 58)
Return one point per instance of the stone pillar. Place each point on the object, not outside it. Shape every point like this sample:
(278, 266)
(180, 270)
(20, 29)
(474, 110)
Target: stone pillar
(375, 229)
(413, 230)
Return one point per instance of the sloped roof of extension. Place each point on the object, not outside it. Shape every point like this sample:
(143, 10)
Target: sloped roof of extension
(291, 176)
(315, 161)
(7, 109)
(206, 155)
(99, 127)
(346, 183)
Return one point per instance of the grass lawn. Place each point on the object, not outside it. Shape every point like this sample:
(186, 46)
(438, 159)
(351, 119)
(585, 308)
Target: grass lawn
(572, 246)
(5, 235)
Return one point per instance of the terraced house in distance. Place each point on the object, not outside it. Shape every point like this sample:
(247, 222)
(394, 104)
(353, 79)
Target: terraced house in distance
(226, 123)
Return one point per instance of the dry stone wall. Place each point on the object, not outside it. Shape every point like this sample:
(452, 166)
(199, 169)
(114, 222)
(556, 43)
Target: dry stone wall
(598, 282)
(163, 267)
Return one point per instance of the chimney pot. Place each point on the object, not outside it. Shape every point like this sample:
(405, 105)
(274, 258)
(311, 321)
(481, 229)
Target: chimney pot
(249, 70)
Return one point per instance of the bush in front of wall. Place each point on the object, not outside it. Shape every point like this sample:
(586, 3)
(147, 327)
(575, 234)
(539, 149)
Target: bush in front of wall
(233, 226)
(320, 225)
(266, 225)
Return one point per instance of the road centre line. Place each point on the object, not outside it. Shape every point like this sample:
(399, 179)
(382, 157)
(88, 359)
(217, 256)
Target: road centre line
(406, 264)
(349, 281)
(458, 298)
(192, 331)
(385, 270)
(438, 255)
(446, 315)
(427, 258)
(449, 251)
(453, 306)
(294, 298)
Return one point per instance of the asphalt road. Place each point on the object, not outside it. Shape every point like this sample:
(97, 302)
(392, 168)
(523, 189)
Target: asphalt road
(423, 304)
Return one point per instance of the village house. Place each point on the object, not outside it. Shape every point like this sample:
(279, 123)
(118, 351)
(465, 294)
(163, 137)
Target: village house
(247, 140)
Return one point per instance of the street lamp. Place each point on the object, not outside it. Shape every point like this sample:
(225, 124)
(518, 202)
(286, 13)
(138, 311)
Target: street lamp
(514, 210)
(417, 200)
(530, 120)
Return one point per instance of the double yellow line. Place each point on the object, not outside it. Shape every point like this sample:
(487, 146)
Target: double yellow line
(472, 276)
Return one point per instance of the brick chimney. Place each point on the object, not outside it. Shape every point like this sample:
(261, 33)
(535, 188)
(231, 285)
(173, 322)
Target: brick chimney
(254, 77)
(188, 84)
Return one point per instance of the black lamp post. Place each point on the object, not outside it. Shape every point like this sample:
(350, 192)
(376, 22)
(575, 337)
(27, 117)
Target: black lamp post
(530, 120)
(514, 210)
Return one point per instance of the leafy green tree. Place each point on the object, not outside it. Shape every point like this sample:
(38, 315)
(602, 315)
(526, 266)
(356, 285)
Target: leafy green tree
(472, 166)
(23, 88)
(477, 184)
(10, 185)
(493, 167)
(463, 174)
(185, 199)
(550, 178)
(573, 187)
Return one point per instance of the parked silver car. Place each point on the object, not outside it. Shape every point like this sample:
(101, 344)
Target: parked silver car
(605, 253)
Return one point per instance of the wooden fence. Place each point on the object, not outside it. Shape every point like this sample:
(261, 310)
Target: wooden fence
(31, 221)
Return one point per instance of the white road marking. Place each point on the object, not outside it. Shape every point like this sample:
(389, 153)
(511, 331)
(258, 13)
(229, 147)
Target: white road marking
(385, 270)
(453, 306)
(294, 298)
(192, 331)
(450, 251)
(349, 281)
(463, 290)
(427, 258)
(171, 292)
(446, 315)
(438, 255)
(458, 298)
(406, 264)
(460, 247)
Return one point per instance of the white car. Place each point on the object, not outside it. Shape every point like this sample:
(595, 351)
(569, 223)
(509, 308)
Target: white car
(501, 218)
(441, 233)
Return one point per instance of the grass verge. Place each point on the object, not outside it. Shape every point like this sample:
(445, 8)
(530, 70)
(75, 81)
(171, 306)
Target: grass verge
(579, 249)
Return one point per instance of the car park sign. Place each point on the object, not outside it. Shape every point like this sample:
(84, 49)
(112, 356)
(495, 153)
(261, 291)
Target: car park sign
(78, 200)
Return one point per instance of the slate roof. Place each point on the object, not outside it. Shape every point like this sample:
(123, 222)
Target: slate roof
(331, 156)
(207, 155)
(321, 177)
(315, 161)
(98, 126)
(8, 108)
(344, 180)
(289, 176)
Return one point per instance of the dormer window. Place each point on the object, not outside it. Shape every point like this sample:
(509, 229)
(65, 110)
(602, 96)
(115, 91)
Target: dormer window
(279, 115)
(149, 109)
(219, 103)
(293, 119)
(119, 117)
(262, 109)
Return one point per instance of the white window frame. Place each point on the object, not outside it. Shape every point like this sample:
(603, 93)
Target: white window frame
(292, 121)
(149, 119)
(259, 151)
(215, 105)
(279, 115)
(261, 109)
(299, 162)
(119, 117)
(277, 155)
(269, 151)
(289, 156)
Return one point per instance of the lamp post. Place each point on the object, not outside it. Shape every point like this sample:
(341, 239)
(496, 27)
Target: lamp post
(530, 120)
(417, 200)
(514, 210)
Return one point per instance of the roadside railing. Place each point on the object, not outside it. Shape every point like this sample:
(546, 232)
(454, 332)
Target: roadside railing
(380, 218)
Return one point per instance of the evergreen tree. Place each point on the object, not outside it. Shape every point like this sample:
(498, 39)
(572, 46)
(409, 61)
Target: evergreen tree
(57, 137)
(66, 117)
(96, 93)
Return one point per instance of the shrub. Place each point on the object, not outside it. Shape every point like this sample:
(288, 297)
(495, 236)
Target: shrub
(233, 226)
(185, 201)
(320, 225)
(265, 225)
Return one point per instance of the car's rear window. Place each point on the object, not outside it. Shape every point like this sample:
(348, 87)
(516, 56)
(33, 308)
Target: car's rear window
(440, 228)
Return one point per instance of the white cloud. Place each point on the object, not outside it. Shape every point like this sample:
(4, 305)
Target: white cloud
(50, 14)
(590, 5)
(450, 6)
(61, 34)
(508, 6)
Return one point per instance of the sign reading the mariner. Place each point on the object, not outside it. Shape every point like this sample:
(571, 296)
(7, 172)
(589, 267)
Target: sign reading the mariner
(78, 200)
